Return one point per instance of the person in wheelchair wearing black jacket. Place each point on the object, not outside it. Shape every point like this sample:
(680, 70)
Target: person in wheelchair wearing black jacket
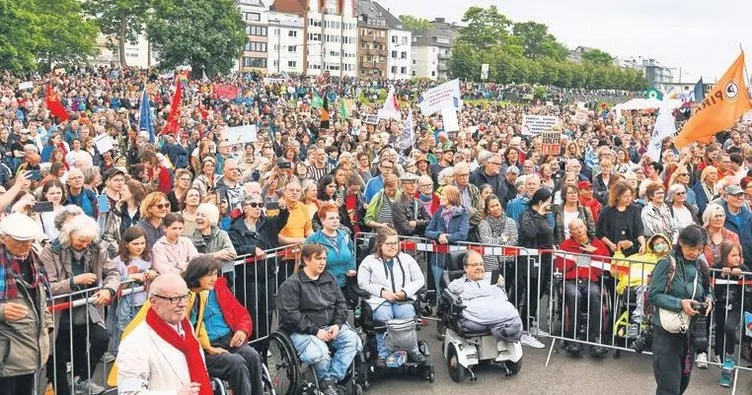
(313, 312)
(392, 279)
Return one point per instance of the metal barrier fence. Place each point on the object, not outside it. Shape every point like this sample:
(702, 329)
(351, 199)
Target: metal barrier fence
(529, 275)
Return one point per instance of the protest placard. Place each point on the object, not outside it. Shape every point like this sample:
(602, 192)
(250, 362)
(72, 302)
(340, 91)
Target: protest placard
(25, 85)
(451, 123)
(103, 143)
(439, 97)
(241, 134)
(747, 118)
(371, 119)
(551, 142)
(537, 124)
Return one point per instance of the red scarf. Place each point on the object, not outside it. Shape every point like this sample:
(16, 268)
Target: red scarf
(188, 345)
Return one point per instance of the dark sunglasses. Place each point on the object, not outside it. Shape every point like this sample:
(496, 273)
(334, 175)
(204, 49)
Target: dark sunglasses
(162, 205)
(255, 205)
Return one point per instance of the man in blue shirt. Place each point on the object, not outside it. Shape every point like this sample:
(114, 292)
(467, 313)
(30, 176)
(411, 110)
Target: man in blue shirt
(376, 184)
(738, 218)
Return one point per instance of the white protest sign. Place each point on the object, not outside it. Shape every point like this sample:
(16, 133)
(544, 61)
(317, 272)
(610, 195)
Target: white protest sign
(484, 71)
(25, 85)
(451, 123)
(536, 124)
(439, 97)
(104, 143)
(371, 119)
(241, 134)
(747, 118)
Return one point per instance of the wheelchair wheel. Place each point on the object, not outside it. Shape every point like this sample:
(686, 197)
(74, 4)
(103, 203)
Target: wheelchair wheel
(283, 364)
(514, 367)
(456, 371)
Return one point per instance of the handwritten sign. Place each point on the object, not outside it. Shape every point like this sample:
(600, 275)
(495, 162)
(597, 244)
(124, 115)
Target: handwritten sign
(551, 143)
(371, 119)
(241, 134)
(104, 143)
(537, 124)
(25, 85)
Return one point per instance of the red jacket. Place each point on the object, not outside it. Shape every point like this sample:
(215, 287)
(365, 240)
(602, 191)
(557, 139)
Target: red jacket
(236, 316)
(568, 263)
(594, 206)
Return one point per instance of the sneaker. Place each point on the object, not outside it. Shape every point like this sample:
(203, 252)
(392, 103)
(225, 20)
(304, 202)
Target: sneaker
(530, 341)
(108, 358)
(702, 360)
(727, 372)
(633, 330)
(729, 363)
(87, 387)
(416, 357)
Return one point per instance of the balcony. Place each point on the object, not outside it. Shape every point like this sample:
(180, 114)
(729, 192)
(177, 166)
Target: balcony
(441, 56)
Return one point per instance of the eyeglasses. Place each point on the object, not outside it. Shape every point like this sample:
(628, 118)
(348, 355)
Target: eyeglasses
(391, 243)
(255, 204)
(162, 206)
(174, 299)
(680, 193)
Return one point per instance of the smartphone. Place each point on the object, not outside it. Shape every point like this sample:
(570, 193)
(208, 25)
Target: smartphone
(272, 206)
(103, 203)
(34, 175)
(42, 207)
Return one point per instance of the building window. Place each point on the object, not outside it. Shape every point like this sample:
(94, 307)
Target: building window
(433, 74)
(394, 69)
(403, 70)
(252, 16)
(394, 39)
(254, 62)
(292, 33)
(394, 54)
(403, 55)
(414, 73)
(255, 46)
(413, 61)
(261, 31)
(404, 40)
(292, 48)
(292, 64)
(276, 63)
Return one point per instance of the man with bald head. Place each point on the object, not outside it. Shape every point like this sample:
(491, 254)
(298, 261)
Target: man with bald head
(162, 353)
(230, 189)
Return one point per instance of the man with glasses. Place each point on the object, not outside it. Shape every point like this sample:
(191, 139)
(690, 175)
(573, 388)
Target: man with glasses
(173, 361)
(230, 189)
(738, 218)
(376, 184)
(488, 172)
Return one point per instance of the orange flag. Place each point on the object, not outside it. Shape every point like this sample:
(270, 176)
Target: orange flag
(721, 109)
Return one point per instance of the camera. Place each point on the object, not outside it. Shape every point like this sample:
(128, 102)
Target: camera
(644, 340)
(700, 307)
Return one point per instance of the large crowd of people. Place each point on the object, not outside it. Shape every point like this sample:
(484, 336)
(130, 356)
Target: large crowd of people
(171, 210)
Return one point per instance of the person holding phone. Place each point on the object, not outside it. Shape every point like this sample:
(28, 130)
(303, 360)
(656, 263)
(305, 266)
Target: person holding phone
(53, 192)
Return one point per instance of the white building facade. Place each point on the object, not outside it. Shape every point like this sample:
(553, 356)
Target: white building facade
(254, 56)
(399, 60)
(286, 43)
(331, 40)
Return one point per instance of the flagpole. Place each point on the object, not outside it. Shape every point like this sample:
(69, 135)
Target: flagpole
(746, 73)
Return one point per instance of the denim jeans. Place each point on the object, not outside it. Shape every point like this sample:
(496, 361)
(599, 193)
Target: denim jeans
(388, 311)
(313, 351)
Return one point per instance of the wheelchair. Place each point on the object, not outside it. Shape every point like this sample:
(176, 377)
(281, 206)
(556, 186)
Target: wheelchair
(365, 322)
(464, 350)
(221, 387)
(561, 315)
(289, 376)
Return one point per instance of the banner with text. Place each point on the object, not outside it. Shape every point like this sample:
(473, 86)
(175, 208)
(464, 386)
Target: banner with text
(537, 124)
(440, 97)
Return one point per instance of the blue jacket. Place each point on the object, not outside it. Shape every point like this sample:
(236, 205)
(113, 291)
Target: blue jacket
(700, 198)
(373, 186)
(743, 229)
(340, 258)
(459, 226)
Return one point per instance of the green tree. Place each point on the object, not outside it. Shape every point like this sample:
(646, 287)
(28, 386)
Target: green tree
(537, 42)
(598, 57)
(205, 34)
(485, 27)
(68, 36)
(414, 24)
(464, 62)
(120, 20)
(20, 32)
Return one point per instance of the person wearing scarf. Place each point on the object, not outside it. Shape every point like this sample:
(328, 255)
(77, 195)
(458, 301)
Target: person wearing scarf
(161, 352)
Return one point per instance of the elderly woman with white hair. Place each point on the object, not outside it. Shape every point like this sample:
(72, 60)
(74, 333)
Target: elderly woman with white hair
(77, 263)
(208, 238)
(684, 214)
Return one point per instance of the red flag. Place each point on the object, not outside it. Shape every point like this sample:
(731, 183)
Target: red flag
(226, 91)
(175, 104)
(54, 105)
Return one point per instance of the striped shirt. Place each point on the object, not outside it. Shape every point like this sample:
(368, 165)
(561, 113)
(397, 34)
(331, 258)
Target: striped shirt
(315, 173)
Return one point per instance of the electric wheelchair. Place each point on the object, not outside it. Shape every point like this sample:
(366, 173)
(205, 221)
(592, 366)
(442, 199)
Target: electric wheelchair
(464, 350)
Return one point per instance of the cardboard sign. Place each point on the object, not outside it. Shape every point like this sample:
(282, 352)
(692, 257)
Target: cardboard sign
(241, 134)
(537, 124)
(104, 143)
(371, 119)
(25, 85)
(451, 123)
(551, 143)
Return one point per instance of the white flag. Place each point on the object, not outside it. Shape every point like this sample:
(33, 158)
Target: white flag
(390, 108)
(665, 126)
(204, 78)
(407, 138)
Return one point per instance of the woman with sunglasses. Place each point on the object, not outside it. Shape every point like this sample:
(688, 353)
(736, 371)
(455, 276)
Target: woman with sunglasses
(251, 235)
(682, 176)
(683, 213)
(153, 208)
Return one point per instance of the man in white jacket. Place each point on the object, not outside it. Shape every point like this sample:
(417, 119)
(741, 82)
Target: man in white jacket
(162, 354)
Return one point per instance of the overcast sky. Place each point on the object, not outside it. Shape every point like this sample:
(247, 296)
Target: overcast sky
(702, 37)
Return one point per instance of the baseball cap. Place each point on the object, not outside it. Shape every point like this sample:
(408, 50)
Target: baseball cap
(734, 189)
(584, 185)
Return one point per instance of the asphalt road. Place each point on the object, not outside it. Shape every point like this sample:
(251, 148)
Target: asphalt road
(629, 374)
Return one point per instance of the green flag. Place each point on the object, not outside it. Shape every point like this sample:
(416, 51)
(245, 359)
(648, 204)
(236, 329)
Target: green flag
(343, 110)
(317, 101)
